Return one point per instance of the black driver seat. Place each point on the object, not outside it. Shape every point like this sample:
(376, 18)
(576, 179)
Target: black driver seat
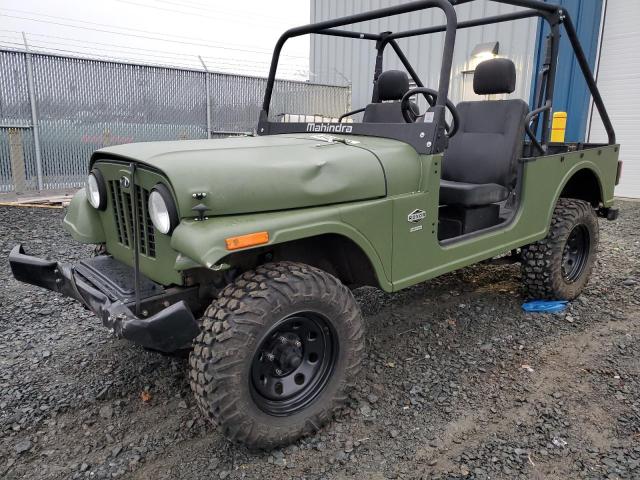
(391, 85)
(480, 165)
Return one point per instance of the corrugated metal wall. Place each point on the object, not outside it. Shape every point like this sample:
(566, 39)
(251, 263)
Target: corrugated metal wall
(339, 60)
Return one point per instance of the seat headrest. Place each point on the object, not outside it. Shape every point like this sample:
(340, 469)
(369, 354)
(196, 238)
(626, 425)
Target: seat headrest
(495, 76)
(392, 85)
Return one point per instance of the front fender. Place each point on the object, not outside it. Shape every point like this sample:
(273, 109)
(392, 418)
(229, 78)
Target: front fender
(82, 221)
(204, 241)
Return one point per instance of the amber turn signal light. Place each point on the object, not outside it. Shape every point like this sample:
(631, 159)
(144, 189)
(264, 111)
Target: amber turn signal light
(249, 240)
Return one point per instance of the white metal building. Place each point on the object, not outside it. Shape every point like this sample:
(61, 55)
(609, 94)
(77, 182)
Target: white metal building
(607, 28)
(618, 75)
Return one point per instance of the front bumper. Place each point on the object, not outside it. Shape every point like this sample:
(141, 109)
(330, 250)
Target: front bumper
(170, 329)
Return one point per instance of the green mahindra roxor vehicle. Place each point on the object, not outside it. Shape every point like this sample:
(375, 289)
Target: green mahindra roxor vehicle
(244, 250)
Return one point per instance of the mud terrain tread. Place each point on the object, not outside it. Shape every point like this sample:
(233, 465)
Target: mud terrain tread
(229, 329)
(542, 261)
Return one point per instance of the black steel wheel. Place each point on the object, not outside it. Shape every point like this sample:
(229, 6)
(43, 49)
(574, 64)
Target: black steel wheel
(278, 351)
(558, 267)
(293, 363)
(576, 253)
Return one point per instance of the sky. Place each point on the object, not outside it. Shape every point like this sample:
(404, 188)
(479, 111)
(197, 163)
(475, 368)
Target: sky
(230, 36)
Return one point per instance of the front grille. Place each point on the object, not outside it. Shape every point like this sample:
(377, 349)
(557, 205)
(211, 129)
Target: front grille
(123, 216)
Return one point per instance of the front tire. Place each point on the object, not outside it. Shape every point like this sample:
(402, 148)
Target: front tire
(558, 267)
(277, 353)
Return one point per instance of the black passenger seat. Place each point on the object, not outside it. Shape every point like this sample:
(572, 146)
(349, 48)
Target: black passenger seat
(480, 165)
(391, 86)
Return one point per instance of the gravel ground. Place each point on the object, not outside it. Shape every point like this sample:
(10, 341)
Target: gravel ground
(458, 383)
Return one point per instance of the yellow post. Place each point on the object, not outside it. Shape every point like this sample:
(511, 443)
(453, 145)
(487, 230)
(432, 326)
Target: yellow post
(559, 127)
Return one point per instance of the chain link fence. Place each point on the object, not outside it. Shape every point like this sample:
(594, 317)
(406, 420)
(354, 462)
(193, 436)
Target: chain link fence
(55, 111)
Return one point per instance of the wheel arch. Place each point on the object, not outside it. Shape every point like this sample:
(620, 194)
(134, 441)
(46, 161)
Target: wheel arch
(584, 184)
(334, 253)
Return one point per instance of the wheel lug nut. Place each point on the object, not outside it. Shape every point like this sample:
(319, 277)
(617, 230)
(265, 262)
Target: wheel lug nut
(270, 357)
(283, 340)
(297, 343)
(278, 371)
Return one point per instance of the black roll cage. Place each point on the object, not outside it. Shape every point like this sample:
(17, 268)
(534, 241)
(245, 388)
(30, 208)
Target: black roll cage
(430, 137)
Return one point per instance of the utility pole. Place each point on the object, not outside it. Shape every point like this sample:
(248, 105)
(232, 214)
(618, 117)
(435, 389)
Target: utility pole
(34, 112)
(206, 83)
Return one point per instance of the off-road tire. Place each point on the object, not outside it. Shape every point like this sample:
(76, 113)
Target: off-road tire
(542, 271)
(232, 326)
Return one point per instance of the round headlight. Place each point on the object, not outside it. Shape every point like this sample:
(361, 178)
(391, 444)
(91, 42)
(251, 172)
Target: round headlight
(162, 210)
(96, 190)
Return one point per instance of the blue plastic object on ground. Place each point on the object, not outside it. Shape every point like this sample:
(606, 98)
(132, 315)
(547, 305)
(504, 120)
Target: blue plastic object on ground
(545, 306)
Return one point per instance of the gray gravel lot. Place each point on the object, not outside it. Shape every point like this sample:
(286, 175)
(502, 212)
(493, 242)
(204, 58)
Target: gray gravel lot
(458, 383)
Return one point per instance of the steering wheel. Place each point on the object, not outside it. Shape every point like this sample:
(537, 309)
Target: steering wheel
(431, 95)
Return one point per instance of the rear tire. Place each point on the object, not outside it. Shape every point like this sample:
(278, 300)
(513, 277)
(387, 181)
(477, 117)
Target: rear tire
(558, 267)
(277, 353)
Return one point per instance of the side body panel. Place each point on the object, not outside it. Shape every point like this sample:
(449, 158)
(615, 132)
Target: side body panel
(418, 256)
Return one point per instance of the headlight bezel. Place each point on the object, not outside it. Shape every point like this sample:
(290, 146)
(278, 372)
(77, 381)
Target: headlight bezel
(170, 207)
(102, 189)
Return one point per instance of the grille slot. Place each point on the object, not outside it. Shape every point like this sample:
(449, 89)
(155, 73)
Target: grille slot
(149, 228)
(141, 222)
(147, 232)
(119, 213)
(123, 216)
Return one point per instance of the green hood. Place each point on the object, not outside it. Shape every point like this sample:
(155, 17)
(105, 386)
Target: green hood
(258, 174)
